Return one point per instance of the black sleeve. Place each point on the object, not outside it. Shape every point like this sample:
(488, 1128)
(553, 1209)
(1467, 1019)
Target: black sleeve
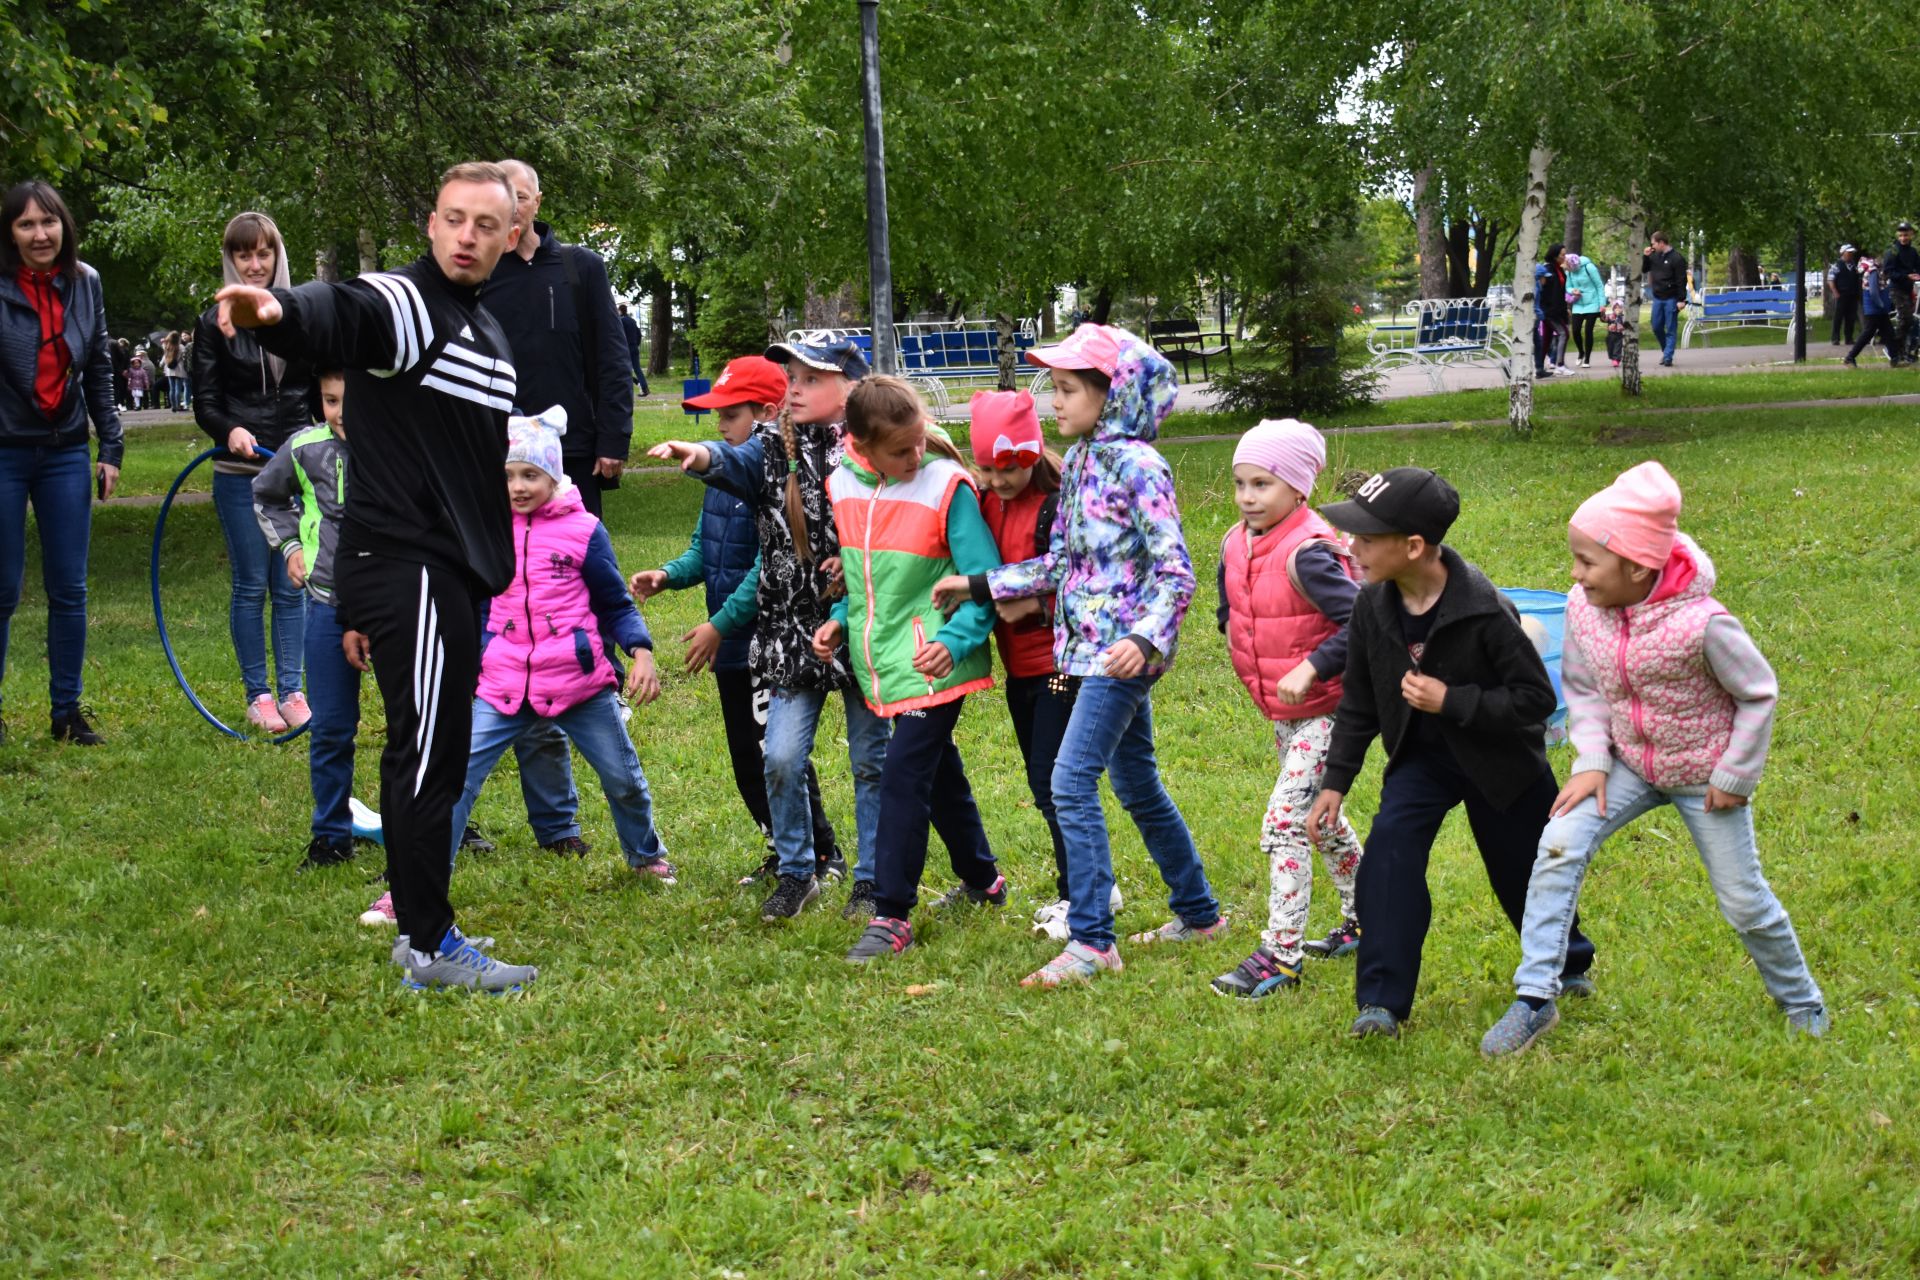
(377, 323)
(209, 388)
(1329, 589)
(1220, 591)
(612, 368)
(1525, 695)
(1356, 722)
(97, 387)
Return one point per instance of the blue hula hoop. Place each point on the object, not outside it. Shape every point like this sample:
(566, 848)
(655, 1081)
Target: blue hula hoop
(160, 617)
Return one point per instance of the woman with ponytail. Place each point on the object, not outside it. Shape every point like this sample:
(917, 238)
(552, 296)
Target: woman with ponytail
(781, 471)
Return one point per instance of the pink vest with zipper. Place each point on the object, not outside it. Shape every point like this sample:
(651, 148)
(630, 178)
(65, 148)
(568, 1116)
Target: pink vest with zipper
(544, 648)
(1271, 626)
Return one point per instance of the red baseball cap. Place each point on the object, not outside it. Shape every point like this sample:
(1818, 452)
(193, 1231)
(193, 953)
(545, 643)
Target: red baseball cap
(746, 380)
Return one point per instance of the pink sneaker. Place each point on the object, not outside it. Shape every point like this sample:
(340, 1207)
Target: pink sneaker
(263, 714)
(380, 913)
(1078, 963)
(294, 709)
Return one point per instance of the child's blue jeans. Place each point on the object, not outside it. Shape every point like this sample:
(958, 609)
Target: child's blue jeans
(333, 696)
(595, 728)
(793, 717)
(1725, 842)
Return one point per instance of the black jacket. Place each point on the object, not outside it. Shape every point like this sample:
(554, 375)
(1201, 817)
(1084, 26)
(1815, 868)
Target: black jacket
(89, 392)
(535, 305)
(1498, 693)
(1902, 260)
(430, 381)
(1552, 295)
(1846, 279)
(233, 387)
(1667, 274)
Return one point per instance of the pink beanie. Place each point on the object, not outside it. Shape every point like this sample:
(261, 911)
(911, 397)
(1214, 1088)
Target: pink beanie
(1635, 517)
(1005, 429)
(1291, 449)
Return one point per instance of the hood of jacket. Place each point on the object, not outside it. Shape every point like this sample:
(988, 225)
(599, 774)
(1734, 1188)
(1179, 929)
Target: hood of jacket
(1142, 395)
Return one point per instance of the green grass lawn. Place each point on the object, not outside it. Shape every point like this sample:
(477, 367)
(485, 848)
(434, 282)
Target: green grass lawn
(210, 1069)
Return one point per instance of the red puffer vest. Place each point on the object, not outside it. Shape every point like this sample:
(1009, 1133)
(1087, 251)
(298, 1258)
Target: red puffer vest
(1026, 647)
(1669, 718)
(1271, 626)
(544, 646)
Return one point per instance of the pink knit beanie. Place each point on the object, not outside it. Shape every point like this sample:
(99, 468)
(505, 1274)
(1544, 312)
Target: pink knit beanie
(1291, 449)
(1636, 517)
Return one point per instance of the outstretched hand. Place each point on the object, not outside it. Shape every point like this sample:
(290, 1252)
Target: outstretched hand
(693, 458)
(241, 306)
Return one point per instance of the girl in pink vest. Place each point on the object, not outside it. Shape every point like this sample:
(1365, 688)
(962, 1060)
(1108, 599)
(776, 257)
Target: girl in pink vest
(544, 651)
(1668, 702)
(1286, 592)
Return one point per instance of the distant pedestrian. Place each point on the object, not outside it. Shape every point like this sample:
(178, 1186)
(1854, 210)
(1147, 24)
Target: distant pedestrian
(1843, 278)
(631, 328)
(1666, 272)
(1901, 271)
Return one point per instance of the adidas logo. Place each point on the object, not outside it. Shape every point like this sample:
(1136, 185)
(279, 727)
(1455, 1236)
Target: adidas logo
(466, 331)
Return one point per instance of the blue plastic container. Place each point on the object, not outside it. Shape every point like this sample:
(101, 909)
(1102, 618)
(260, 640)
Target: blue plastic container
(1549, 609)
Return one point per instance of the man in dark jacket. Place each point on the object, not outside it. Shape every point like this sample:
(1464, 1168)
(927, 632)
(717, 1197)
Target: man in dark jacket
(556, 305)
(1843, 277)
(1439, 670)
(1667, 280)
(1901, 271)
(631, 328)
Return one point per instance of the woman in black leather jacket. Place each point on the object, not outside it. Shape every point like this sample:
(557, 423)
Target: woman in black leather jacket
(246, 398)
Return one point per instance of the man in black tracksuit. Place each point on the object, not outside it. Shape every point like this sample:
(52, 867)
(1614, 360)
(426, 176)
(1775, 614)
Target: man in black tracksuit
(1901, 270)
(556, 306)
(427, 533)
(1439, 670)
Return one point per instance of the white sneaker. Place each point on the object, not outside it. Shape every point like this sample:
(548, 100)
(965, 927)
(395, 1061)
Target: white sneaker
(380, 914)
(1051, 919)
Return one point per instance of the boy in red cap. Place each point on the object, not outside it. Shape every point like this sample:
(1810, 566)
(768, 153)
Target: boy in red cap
(724, 555)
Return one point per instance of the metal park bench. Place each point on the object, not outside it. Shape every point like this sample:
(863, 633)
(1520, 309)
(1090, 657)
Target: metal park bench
(1438, 334)
(1183, 341)
(1740, 307)
(939, 355)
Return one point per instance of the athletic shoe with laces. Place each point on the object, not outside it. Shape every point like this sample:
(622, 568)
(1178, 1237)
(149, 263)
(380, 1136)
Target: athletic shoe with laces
(460, 963)
(1518, 1028)
(294, 709)
(831, 869)
(884, 936)
(472, 839)
(263, 714)
(860, 904)
(657, 869)
(1375, 1021)
(568, 847)
(1178, 930)
(790, 897)
(1078, 963)
(994, 895)
(1258, 976)
(1809, 1020)
(327, 851)
(1343, 940)
(766, 869)
(73, 727)
(380, 914)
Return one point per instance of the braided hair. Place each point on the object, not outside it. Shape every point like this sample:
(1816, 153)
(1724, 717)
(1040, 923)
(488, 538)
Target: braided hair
(796, 507)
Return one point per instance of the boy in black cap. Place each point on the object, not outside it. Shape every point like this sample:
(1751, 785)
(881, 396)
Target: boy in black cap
(1439, 669)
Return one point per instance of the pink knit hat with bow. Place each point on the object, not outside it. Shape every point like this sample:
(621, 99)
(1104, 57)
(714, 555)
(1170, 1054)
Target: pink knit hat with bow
(1005, 429)
(1291, 449)
(1636, 517)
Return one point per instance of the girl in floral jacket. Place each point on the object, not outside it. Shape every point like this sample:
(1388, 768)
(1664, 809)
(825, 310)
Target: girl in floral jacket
(1119, 565)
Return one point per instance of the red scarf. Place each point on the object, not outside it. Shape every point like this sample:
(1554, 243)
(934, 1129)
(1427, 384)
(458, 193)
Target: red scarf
(53, 359)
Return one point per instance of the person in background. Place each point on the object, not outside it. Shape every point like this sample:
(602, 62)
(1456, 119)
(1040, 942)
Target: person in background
(631, 329)
(1843, 280)
(1666, 273)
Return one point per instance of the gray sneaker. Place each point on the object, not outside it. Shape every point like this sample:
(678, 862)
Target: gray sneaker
(1809, 1020)
(1375, 1021)
(1518, 1028)
(1577, 986)
(464, 965)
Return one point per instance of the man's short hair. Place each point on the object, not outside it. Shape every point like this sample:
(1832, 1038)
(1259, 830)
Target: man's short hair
(480, 171)
(533, 174)
(1660, 237)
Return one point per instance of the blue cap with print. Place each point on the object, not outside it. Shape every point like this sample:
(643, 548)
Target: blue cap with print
(825, 349)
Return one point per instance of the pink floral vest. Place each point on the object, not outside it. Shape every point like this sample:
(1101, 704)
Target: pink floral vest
(1669, 718)
(1271, 626)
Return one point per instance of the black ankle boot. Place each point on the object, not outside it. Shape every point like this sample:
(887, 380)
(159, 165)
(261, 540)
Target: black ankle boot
(73, 727)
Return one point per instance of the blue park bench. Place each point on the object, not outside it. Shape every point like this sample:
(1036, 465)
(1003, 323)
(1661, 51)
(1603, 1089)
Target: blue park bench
(1739, 307)
(1436, 334)
(939, 354)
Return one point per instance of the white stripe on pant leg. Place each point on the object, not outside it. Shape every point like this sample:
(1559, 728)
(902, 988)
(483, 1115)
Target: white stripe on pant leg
(428, 643)
(432, 713)
(420, 643)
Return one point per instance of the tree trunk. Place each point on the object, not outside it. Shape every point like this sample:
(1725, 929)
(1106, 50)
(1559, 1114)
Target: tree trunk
(1533, 217)
(1048, 325)
(1486, 255)
(1575, 231)
(1009, 354)
(1430, 242)
(369, 251)
(1459, 268)
(1743, 268)
(1630, 337)
(326, 265)
(1102, 305)
(660, 349)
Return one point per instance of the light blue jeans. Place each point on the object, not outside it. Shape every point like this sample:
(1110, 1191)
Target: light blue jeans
(793, 718)
(1725, 841)
(258, 569)
(1111, 731)
(595, 727)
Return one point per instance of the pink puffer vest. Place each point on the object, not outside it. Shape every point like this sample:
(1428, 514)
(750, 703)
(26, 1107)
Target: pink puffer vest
(1271, 626)
(545, 648)
(1669, 718)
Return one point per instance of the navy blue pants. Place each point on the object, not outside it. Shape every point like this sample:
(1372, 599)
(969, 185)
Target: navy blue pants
(1395, 908)
(925, 784)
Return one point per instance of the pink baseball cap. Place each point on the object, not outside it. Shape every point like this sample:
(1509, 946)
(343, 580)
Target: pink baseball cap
(1005, 429)
(1091, 346)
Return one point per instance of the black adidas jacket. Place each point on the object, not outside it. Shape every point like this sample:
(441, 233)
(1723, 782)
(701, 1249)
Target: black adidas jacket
(429, 385)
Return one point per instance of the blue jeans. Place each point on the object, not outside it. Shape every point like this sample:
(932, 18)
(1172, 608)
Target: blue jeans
(546, 783)
(1111, 732)
(1724, 839)
(1666, 326)
(333, 690)
(176, 393)
(256, 566)
(595, 727)
(59, 483)
(793, 717)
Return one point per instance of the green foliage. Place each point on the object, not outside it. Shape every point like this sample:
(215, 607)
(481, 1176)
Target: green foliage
(65, 98)
(734, 318)
(1310, 364)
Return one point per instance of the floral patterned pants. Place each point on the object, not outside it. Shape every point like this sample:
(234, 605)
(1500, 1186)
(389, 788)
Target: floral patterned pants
(1283, 837)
